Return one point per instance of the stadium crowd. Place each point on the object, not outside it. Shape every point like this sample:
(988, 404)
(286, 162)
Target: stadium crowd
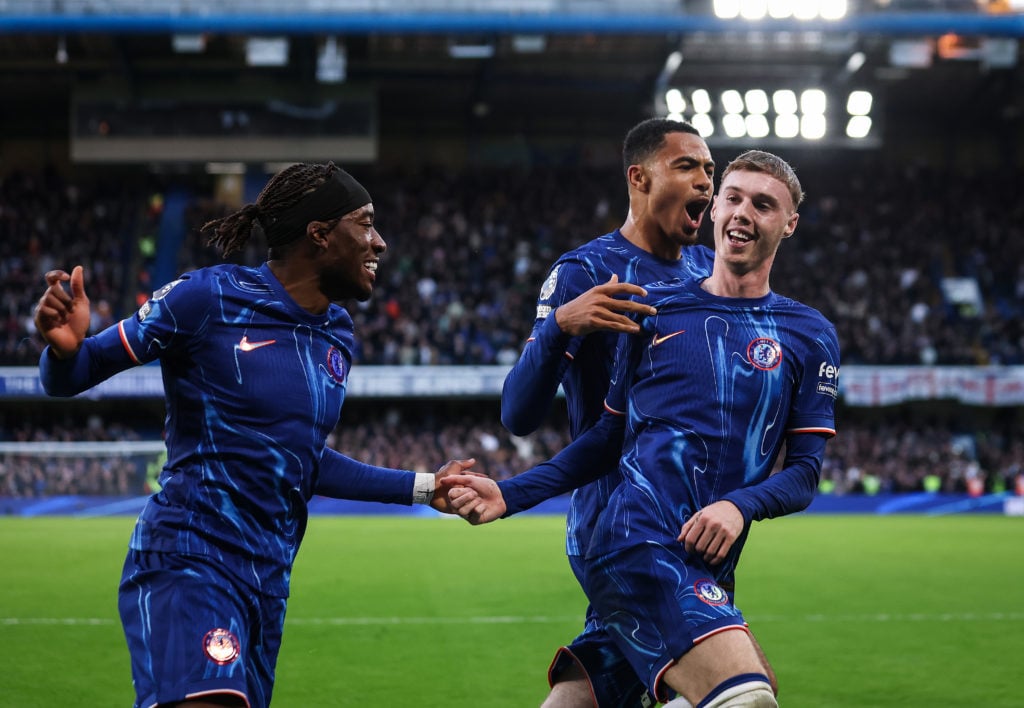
(912, 267)
(871, 455)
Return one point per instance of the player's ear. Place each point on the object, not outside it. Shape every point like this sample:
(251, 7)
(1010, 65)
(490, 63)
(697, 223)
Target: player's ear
(317, 232)
(636, 175)
(791, 226)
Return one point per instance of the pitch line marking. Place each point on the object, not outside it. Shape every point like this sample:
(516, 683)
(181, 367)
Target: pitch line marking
(881, 617)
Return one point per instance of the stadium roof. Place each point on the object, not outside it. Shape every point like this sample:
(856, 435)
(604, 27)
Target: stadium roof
(475, 66)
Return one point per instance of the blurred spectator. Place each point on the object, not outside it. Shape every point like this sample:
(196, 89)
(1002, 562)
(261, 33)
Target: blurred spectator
(460, 285)
(876, 245)
(41, 214)
(898, 451)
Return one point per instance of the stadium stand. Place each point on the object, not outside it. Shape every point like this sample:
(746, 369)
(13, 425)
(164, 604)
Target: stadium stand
(469, 250)
(918, 270)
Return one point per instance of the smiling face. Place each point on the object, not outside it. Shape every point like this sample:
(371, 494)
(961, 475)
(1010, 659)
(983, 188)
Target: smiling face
(753, 211)
(352, 249)
(670, 193)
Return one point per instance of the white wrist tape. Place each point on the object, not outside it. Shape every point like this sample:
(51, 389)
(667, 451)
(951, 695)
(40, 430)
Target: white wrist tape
(423, 488)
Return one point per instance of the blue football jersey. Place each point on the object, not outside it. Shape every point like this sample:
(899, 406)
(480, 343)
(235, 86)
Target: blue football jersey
(253, 386)
(587, 364)
(711, 388)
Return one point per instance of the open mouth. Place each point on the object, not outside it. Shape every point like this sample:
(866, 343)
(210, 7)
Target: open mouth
(738, 237)
(695, 211)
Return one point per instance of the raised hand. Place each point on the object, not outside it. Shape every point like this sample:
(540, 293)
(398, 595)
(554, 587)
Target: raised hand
(599, 309)
(62, 318)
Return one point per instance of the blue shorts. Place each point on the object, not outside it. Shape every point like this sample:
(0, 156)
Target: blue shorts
(613, 682)
(195, 630)
(657, 602)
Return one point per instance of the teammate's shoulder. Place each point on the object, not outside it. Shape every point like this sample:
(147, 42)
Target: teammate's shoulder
(585, 250)
(698, 260)
(208, 274)
(667, 293)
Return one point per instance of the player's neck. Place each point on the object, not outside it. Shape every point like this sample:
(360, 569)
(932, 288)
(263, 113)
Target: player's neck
(301, 284)
(663, 248)
(723, 282)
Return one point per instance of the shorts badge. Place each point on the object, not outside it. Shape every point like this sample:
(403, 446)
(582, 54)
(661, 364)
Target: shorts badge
(708, 591)
(221, 646)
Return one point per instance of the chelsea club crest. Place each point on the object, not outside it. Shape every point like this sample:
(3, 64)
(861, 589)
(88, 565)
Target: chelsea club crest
(764, 353)
(336, 364)
(710, 592)
(221, 646)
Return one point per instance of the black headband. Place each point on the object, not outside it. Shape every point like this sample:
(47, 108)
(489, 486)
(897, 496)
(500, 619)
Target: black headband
(337, 196)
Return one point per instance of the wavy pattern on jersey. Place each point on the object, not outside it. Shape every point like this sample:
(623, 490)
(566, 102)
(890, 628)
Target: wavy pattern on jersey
(708, 387)
(249, 423)
(585, 380)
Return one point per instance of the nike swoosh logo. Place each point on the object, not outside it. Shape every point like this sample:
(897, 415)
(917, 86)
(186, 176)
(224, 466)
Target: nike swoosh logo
(659, 340)
(246, 346)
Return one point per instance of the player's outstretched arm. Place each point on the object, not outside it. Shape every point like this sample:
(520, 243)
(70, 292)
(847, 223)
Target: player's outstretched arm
(601, 309)
(62, 318)
(590, 456)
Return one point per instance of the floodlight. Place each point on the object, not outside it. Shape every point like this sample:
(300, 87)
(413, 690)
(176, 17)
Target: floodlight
(757, 126)
(859, 103)
(833, 9)
(674, 101)
(732, 101)
(734, 125)
(858, 127)
(784, 101)
(787, 125)
(753, 9)
(756, 101)
(727, 9)
(812, 126)
(813, 101)
(701, 101)
(805, 9)
(780, 9)
(704, 125)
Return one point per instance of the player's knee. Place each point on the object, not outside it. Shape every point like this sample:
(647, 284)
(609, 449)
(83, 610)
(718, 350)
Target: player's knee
(750, 694)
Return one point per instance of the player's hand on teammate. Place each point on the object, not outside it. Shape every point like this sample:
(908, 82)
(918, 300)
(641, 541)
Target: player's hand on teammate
(475, 498)
(460, 468)
(712, 531)
(62, 317)
(601, 308)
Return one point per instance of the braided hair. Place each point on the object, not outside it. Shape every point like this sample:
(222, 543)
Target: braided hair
(230, 233)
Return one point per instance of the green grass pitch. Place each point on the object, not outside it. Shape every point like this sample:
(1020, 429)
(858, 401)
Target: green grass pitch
(853, 611)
